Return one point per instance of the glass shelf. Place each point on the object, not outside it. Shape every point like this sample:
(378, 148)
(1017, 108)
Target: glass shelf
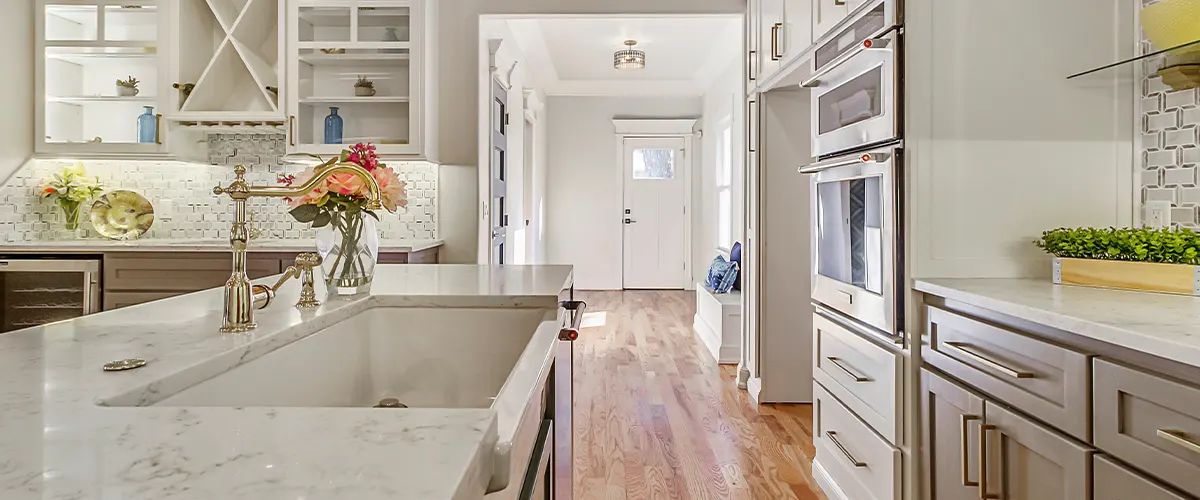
(1191, 49)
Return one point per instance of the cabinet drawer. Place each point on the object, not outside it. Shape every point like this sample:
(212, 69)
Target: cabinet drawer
(864, 465)
(862, 374)
(117, 300)
(1112, 481)
(1045, 380)
(177, 271)
(1149, 422)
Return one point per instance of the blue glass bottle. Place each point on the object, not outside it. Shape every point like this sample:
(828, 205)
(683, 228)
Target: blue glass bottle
(147, 126)
(333, 127)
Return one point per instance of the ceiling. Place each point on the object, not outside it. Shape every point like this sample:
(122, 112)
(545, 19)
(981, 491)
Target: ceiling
(574, 56)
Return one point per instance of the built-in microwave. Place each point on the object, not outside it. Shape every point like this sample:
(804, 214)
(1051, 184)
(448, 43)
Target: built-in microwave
(856, 85)
(856, 238)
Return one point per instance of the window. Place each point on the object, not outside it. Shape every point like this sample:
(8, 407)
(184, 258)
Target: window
(724, 188)
(653, 164)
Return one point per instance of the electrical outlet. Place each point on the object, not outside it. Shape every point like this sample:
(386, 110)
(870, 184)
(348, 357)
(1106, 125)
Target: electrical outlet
(1158, 214)
(165, 209)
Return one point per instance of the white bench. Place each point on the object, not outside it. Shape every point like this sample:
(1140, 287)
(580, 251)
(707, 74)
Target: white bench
(718, 323)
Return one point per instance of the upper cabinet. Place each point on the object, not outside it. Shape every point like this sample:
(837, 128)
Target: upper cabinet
(826, 14)
(324, 72)
(360, 75)
(98, 75)
(227, 60)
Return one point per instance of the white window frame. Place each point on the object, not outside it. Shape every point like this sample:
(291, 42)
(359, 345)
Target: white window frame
(723, 180)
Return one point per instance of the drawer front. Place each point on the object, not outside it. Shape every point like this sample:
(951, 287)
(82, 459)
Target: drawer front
(862, 463)
(1150, 422)
(1045, 380)
(1113, 481)
(862, 374)
(178, 272)
(117, 300)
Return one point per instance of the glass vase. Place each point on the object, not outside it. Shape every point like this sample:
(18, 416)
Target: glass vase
(70, 213)
(333, 127)
(147, 126)
(349, 249)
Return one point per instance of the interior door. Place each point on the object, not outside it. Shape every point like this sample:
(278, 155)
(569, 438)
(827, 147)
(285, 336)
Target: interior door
(1026, 461)
(653, 218)
(951, 417)
(499, 168)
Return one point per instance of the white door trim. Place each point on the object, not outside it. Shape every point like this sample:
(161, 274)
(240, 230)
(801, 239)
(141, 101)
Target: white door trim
(635, 128)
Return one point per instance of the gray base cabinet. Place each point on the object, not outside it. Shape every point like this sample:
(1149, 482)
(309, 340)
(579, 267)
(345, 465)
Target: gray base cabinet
(1028, 461)
(951, 417)
(1116, 482)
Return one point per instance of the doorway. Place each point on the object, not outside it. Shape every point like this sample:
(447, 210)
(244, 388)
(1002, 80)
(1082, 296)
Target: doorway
(655, 213)
(499, 174)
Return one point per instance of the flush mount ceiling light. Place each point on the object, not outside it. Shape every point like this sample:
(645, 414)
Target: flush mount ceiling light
(629, 58)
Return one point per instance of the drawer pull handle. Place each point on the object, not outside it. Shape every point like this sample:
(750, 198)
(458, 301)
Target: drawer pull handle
(853, 461)
(965, 420)
(838, 363)
(1180, 439)
(983, 467)
(969, 351)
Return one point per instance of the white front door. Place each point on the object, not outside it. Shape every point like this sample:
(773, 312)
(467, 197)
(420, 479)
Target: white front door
(654, 170)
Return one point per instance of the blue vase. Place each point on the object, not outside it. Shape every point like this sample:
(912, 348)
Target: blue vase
(333, 127)
(147, 126)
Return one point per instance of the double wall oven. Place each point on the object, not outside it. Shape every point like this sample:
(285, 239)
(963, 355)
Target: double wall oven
(856, 92)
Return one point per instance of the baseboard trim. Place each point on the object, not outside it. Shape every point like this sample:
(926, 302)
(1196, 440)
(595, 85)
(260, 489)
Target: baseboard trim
(826, 483)
(754, 388)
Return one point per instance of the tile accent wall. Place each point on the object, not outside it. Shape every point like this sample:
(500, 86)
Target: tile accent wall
(1170, 155)
(197, 212)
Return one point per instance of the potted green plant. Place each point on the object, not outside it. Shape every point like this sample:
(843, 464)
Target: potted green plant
(127, 87)
(364, 87)
(1156, 260)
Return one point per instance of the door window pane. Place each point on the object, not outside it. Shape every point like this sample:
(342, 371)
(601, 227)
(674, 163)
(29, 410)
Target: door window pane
(850, 232)
(653, 164)
(724, 224)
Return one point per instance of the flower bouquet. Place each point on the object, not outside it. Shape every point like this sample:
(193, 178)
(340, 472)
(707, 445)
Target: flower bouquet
(70, 188)
(347, 238)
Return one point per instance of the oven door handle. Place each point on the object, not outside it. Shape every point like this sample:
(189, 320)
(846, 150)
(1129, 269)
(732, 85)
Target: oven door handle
(842, 162)
(814, 81)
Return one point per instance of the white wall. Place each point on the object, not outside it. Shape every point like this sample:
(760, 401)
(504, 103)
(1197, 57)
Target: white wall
(458, 99)
(722, 103)
(583, 223)
(16, 91)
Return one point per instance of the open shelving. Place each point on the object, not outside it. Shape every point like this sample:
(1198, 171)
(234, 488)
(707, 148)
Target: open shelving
(229, 51)
(334, 43)
(84, 47)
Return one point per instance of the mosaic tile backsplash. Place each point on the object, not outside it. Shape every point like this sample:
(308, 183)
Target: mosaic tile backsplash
(197, 213)
(1170, 155)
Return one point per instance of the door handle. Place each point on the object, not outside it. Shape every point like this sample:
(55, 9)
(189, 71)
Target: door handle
(983, 467)
(158, 129)
(853, 461)
(963, 422)
(1180, 439)
(750, 65)
(776, 54)
(292, 129)
(630, 221)
(814, 81)
(838, 363)
(750, 107)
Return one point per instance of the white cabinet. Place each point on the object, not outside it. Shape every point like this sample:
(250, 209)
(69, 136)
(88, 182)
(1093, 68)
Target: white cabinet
(752, 46)
(778, 33)
(770, 26)
(797, 31)
(84, 47)
(828, 13)
(359, 75)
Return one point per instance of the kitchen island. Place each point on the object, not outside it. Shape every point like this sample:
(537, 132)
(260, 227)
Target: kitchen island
(72, 431)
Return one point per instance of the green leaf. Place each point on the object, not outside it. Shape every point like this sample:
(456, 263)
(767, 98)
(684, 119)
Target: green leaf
(323, 219)
(372, 214)
(305, 213)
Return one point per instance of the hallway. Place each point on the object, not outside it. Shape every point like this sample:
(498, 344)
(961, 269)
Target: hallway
(655, 418)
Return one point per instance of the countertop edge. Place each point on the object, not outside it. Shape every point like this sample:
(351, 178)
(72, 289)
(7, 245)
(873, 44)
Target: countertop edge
(1180, 352)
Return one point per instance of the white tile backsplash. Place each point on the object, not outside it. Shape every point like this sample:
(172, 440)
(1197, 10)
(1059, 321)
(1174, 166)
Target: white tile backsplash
(197, 212)
(1170, 149)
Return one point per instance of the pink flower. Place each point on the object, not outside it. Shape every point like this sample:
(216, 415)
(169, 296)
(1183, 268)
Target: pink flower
(311, 197)
(346, 184)
(392, 192)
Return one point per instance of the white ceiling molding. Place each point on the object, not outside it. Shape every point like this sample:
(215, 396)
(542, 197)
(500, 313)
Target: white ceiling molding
(527, 33)
(642, 126)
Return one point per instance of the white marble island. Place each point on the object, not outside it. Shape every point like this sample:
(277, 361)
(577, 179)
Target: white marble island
(59, 441)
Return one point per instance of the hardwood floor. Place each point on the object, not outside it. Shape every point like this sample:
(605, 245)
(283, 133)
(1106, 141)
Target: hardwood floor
(655, 418)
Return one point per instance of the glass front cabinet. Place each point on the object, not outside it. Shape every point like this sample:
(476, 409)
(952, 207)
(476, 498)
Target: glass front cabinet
(359, 76)
(98, 74)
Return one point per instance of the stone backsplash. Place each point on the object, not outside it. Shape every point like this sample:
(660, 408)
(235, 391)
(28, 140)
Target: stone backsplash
(197, 213)
(1170, 144)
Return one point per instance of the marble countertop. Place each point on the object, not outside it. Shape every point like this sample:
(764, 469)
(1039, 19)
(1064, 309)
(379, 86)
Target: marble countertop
(57, 442)
(196, 245)
(1167, 326)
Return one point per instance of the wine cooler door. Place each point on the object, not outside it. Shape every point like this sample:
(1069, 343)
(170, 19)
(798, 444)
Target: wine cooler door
(39, 291)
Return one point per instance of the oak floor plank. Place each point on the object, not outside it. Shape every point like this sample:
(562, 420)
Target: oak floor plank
(655, 418)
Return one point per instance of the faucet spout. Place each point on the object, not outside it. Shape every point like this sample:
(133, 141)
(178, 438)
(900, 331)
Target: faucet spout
(240, 294)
